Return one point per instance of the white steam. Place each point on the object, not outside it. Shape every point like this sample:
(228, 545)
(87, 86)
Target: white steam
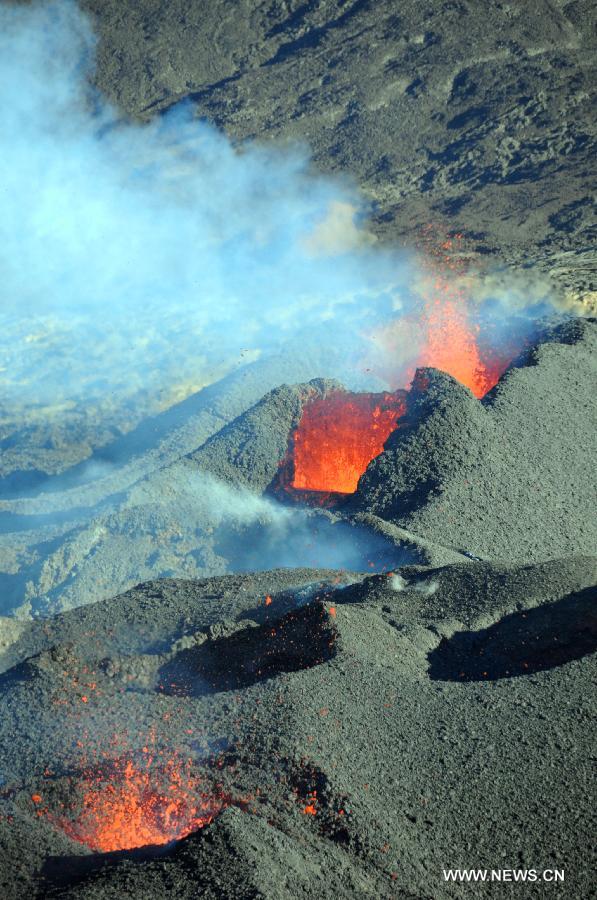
(425, 587)
(185, 525)
(143, 255)
(398, 582)
(151, 259)
(255, 532)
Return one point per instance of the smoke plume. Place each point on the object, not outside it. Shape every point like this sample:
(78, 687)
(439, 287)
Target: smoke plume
(155, 257)
(138, 256)
(141, 262)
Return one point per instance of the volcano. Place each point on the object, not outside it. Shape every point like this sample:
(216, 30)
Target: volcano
(276, 705)
(337, 437)
(215, 734)
(130, 805)
(297, 532)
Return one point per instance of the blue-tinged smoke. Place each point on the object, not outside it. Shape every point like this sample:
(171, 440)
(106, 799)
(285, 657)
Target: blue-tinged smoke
(142, 261)
(137, 255)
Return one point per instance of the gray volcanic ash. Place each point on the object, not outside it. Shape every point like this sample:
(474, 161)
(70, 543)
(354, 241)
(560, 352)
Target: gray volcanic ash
(244, 736)
(448, 474)
(337, 746)
(297, 534)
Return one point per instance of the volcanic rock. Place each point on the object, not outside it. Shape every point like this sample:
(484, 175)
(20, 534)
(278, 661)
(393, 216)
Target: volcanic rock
(250, 450)
(362, 772)
(492, 137)
(169, 521)
(344, 734)
(251, 653)
(508, 477)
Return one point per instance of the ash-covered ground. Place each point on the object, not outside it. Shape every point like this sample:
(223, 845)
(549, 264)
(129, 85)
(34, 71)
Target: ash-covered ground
(348, 734)
(507, 477)
(217, 678)
(364, 738)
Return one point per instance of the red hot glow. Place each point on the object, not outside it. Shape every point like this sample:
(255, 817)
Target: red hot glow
(135, 806)
(338, 436)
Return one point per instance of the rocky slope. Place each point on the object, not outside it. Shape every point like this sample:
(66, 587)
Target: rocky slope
(255, 700)
(475, 116)
(366, 737)
(508, 477)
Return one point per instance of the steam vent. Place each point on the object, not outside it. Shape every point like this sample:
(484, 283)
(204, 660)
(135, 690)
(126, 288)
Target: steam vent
(297, 450)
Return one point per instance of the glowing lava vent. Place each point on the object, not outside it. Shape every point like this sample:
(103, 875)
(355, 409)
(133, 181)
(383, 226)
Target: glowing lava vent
(338, 436)
(451, 346)
(445, 338)
(133, 806)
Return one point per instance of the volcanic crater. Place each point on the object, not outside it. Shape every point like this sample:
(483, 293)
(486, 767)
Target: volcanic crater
(303, 728)
(266, 634)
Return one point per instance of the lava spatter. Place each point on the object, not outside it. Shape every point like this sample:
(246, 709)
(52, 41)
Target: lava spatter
(138, 805)
(338, 436)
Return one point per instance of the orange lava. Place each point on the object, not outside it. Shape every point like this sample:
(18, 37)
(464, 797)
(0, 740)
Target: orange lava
(450, 344)
(136, 807)
(338, 436)
(442, 333)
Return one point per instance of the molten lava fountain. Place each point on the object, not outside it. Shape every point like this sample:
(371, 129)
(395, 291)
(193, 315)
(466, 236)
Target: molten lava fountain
(338, 435)
(136, 806)
(451, 346)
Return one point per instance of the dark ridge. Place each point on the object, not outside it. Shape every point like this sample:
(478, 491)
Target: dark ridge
(473, 116)
(294, 19)
(165, 103)
(60, 872)
(523, 643)
(313, 38)
(300, 640)
(22, 481)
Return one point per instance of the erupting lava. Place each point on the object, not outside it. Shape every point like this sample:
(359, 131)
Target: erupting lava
(451, 345)
(443, 330)
(138, 807)
(338, 436)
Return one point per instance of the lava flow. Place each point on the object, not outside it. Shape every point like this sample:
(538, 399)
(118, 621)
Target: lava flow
(138, 807)
(338, 436)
